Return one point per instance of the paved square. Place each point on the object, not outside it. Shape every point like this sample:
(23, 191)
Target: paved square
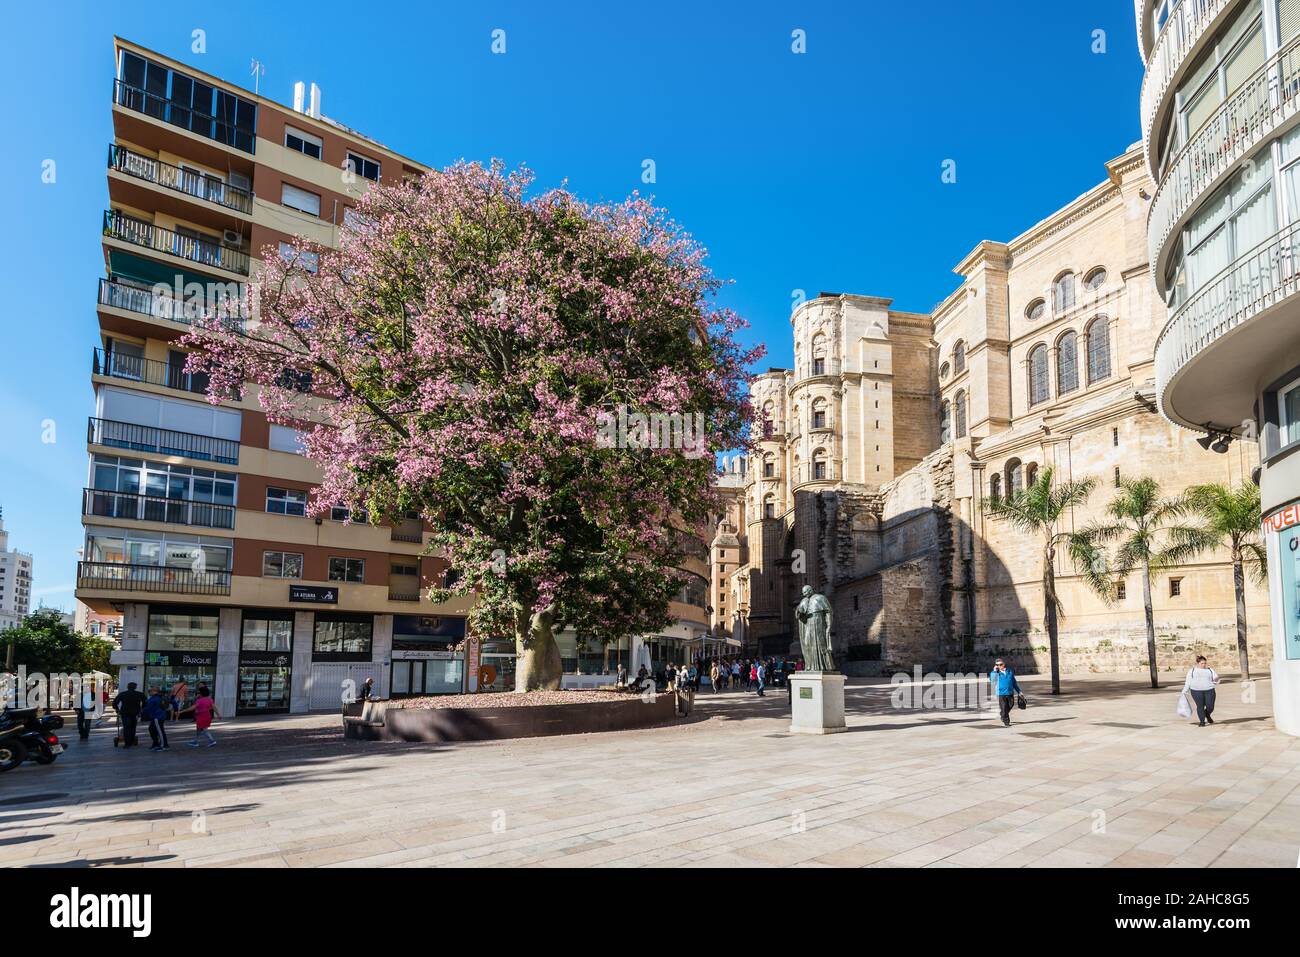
(1104, 775)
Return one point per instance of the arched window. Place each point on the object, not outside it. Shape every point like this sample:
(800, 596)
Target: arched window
(995, 486)
(1095, 279)
(1063, 292)
(1038, 387)
(819, 354)
(959, 357)
(959, 415)
(819, 472)
(943, 372)
(1031, 474)
(1067, 364)
(1097, 339)
(819, 414)
(1015, 477)
(1035, 310)
(945, 422)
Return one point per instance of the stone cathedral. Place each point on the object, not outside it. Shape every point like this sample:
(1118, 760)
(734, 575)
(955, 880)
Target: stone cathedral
(881, 445)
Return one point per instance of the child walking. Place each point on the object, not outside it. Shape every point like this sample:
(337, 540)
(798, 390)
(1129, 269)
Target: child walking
(205, 709)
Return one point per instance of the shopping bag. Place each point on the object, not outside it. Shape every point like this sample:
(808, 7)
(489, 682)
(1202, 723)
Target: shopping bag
(1184, 709)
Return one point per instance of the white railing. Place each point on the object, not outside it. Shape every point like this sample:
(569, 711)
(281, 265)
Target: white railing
(1263, 277)
(1143, 17)
(1242, 122)
(1180, 34)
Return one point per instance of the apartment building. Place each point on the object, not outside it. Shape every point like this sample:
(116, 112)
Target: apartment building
(15, 581)
(195, 521)
(1220, 113)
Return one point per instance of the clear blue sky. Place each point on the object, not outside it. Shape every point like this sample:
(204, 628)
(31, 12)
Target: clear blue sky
(818, 171)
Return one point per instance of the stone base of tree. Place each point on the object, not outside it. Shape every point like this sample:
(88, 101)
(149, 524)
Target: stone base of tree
(392, 721)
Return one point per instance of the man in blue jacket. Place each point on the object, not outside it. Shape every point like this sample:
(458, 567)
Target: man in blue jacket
(1006, 687)
(157, 709)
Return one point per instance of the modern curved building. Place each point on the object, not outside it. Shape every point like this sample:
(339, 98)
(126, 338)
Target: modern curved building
(1221, 139)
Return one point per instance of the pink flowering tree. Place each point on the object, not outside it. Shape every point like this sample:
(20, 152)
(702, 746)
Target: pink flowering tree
(511, 367)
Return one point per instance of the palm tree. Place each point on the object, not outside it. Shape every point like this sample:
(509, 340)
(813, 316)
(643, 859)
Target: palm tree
(1036, 510)
(1149, 535)
(1232, 516)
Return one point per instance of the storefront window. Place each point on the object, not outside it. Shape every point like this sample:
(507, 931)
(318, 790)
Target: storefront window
(340, 635)
(267, 634)
(180, 631)
(1289, 554)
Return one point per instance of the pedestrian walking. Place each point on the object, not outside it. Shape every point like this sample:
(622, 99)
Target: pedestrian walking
(1006, 688)
(84, 707)
(205, 709)
(1201, 682)
(715, 677)
(157, 709)
(128, 704)
(760, 675)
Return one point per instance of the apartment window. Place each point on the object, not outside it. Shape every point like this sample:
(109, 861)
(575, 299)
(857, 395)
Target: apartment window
(1233, 59)
(340, 513)
(1288, 401)
(302, 142)
(338, 635)
(1067, 364)
(363, 167)
(1120, 591)
(1038, 388)
(1175, 587)
(281, 565)
(285, 501)
(347, 570)
(1236, 219)
(267, 634)
(309, 261)
(412, 571)
(300, 199)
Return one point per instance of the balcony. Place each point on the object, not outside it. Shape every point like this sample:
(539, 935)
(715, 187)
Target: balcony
(184, 117)
(1243, 122)
(403, 594)
(115, 576)
(195, 249)
(187, 181)
(147, 302)
(1181, 36)
(155, 508)
(1208, 352)
(150, 371)
(144, 438)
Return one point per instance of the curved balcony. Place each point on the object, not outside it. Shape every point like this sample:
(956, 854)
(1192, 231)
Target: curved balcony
(1142, 13)
(1206, 354)
(1183, 34)
(1246, 120)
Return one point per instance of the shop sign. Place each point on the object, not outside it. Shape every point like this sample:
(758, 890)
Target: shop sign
(1283, 518)
(314, 594)
(181, 658)
(265, 659)
(409, 654)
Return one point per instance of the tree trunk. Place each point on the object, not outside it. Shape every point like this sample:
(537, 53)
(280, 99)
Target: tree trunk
(1239, 587)
(1049, 615)
(538, 666)
(1151, 624)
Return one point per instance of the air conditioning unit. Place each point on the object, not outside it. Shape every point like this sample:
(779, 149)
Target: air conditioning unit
(232, 237)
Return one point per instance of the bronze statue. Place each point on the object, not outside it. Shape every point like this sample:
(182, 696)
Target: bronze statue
(814, 616)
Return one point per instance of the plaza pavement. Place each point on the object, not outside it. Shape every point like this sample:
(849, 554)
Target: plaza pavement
(1105, 775)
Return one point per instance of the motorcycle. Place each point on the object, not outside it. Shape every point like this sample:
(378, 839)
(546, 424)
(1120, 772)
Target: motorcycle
(33, 734)
(12, 750)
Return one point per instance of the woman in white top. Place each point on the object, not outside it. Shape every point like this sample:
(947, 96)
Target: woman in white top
(1201, 679)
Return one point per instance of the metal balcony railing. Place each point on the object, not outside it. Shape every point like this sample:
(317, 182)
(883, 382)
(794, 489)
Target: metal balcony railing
(154, 508)
(400, 534)
(1180, 34)
(1266, 275)
(1270, 96)
(150, 371)
(183, 116)
(120, 295)
(195, 249)
(144, 438)
(161, 578)
(188, 181)
(403, 594)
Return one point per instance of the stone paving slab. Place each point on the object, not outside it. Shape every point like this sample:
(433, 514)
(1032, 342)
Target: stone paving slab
(1120, 782)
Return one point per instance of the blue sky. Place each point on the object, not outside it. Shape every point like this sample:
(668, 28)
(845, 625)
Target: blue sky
(819, 171)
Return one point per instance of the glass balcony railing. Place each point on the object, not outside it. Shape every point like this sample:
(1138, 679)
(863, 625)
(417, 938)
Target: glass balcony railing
(116, 576)
(239, 135)
(195, 249)
(144, 438)
(151, 371)
(188, 181)
(155, 508)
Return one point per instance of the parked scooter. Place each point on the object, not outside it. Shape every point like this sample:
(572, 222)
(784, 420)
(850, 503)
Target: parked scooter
(34, 733)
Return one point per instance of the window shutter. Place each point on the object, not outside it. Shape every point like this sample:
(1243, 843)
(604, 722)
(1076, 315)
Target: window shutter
(1288, 16)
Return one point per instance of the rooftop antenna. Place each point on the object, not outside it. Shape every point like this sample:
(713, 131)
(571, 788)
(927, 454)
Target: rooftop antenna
(258, 70)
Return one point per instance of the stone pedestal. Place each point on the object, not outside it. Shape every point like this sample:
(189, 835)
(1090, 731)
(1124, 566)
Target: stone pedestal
(816, 702)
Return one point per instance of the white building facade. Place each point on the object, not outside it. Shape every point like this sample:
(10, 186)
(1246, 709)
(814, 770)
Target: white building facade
(15, 582)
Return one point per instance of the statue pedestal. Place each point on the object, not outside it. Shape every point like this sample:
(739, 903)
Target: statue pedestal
(816, 702)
